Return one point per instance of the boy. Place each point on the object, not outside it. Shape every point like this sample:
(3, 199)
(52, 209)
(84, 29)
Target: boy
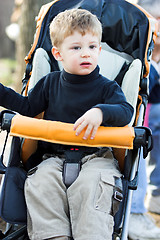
(79, 95)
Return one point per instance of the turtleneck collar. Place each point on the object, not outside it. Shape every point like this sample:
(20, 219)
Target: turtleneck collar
(75, 79)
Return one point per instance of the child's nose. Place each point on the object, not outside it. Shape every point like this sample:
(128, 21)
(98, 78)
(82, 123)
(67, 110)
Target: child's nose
(85, 54)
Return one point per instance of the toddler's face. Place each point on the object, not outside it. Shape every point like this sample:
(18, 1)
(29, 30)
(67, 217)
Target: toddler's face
(79, 54)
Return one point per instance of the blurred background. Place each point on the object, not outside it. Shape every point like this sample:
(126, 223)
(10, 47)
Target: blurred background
(17, 27)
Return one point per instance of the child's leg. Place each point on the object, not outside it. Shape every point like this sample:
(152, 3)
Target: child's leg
(46, 201)
(90, 199)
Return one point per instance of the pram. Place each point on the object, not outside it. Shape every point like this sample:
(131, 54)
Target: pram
(128, 37)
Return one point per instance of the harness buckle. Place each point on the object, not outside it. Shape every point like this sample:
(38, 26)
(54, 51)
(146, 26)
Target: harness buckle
(72, 165)
(118, 196)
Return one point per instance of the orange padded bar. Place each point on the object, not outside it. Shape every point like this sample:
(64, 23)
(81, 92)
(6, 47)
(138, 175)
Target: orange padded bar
(58, 132)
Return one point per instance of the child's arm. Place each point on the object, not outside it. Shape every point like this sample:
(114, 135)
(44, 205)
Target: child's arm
(24, 105)
(91, 120)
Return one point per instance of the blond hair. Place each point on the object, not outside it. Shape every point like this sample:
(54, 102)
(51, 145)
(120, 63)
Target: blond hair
(69, 21)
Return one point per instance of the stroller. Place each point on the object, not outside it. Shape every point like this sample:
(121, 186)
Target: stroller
(127, 43)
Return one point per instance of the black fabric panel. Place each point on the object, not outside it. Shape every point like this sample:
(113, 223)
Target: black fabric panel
(125, 28)
(121, 74)
(12, 201)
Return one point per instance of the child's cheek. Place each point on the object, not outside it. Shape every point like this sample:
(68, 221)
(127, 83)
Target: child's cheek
(75, 62)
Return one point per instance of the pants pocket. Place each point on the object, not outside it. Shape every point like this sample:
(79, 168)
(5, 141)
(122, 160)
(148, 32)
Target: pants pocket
(108, 194)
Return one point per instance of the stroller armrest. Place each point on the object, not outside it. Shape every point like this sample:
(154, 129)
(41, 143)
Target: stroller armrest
(143, 138)
(59, 132)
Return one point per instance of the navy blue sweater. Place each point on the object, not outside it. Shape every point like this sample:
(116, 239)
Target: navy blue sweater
(65, 97)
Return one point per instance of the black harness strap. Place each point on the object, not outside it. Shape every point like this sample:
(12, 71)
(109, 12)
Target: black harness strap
(72, 165)
(117, 195)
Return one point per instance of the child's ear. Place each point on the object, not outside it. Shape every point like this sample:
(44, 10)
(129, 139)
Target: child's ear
(56, 53)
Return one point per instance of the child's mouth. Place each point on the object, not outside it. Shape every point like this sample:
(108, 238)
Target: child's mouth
(85, 64)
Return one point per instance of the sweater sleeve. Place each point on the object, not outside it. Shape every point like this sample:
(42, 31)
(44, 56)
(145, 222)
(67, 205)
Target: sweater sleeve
(116, 110)
(11, 100)
(29, 106)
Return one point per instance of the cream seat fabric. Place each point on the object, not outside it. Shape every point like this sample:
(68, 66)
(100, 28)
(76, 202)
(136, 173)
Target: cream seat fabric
(111, 62)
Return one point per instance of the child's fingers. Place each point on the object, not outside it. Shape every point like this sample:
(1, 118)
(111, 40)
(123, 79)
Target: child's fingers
(91, 129)
(94, 132)
(81, 127)
(77, 123)
(88, 131)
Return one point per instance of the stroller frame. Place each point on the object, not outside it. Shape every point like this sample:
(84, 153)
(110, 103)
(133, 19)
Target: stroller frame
(140, 48)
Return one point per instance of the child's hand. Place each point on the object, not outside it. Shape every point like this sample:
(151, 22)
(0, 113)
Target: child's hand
(92, 119)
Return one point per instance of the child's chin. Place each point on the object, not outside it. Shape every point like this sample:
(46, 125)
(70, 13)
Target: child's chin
(85, 71)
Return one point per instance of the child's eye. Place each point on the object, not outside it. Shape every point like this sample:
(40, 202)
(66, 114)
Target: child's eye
(92, 46)
(76, 48)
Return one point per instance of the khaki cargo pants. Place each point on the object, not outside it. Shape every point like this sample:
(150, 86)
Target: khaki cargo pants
(83, 210)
